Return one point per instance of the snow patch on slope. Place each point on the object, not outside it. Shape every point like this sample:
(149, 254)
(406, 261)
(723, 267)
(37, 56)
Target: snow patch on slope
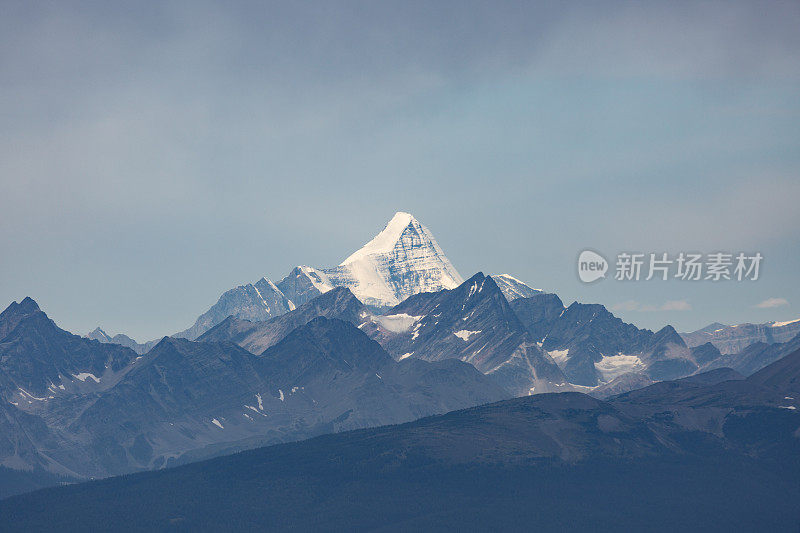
(781, 324)
(465, 334)
(83, 376)
(513, 288)
(317, 277)
(612, 366)
(399, 323)
(559, 356)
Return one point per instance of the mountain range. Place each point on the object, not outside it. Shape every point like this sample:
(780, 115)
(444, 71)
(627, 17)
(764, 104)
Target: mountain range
(403, 259)
(473, 323)
(79, 408)
(592, 346)
(699, 454)
(734, 339)
(391, 335)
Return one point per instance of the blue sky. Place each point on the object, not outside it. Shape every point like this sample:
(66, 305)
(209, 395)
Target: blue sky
(152, 157)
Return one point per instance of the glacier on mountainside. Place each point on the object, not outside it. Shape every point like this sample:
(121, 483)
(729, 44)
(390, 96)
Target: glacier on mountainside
(402, 260)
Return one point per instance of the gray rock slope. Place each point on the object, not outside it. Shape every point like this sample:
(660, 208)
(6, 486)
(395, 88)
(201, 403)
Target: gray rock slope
(77, 407)
(734, 339)
(688, 455)
(593, 347)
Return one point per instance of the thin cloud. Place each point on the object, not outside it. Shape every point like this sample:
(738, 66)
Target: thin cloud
(670, 305)
(629, 305)
(676, 305)
(769, 303)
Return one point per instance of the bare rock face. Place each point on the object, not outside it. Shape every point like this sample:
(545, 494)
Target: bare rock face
(41, 363)
(256, 337)
(713, 452)
(259, 301)
(593, 347)
(78, 407)
(473, 323)
(304, 283)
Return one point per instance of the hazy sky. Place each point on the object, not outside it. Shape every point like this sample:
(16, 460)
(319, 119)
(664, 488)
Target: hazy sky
(153, 155)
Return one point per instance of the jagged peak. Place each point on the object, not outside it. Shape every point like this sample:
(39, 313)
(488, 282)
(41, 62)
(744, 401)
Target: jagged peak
(314, 328)
(713, 327)
(514, 288)
(478, 276)
(784, 323)
(594, 307)
(29, 305)
(335, 297)
(317, 277)
(335, 338)
(266, 283)
(337, 292)
(508, 277)
(18, 311)
(25, 307)
(480, 285)
(98, 333)
(384, 241)
(245, 287)
(169, 342)
(305, 269)
(669, 333)
(474, 284)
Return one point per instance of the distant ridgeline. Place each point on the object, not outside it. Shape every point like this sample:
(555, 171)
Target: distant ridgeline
(710, 452)
(391, 335)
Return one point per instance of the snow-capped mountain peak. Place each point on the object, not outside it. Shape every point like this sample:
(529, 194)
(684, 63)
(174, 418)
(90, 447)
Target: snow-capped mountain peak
(386, 240)
(403, 259)
(317, 278)
(513, 288)
(98, 335)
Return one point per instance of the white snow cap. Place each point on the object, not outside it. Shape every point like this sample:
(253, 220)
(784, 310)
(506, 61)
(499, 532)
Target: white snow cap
(384, 241)
(781, 324)
(403, 259)
(317, 277)
(513, 288)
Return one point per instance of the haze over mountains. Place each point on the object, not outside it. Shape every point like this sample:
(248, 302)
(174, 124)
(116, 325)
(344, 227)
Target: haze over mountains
(700, 454)
(405, 259)
(78, 408)
(526, 339)
(392, 334)
(733, 339)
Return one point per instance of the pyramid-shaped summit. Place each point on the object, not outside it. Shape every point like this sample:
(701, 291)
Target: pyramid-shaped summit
(402, 260)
